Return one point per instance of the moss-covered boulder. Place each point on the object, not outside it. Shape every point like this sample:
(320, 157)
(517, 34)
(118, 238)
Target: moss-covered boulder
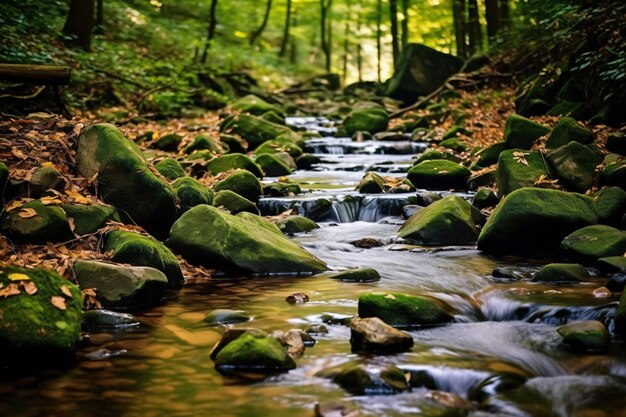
(41, 314)
(562, 273)
(358, 379)
(615, 142)
(454, 144)
(101, 319)
(371, 334)
(483, 178)
(272, 116)
(253, 351)
(121, 287)
(286, 159)
(234, 203)
(403, 310)
(89, 218)
(568, 130)
(533, 220)
(518, 169)
(485, 197)
(205, 143)
(356, 275)
(614, 175)
(124, 178)
(233, 161)
(450, 221)
(585, 336)
(367, 117)
(296, 224)
(521, 133)
(575, 165)
(429, 154)
(191, 192)
(613, 264)
(256, 130)
(272, 166)
(371, 183)
(138, 250)
(611, 206)
(170, 168)
(44, 179)
(439, 175)
(281, 189)
(279, 145)
(489, 155)
(255, 105)
(597, 241)
(307, 160)
(167, 143)
(245, 242)
(243, 183)
(35, 222)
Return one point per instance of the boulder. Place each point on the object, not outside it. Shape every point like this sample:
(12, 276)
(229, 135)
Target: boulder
(518, 169)
(521, 133)
(430, 154)
(357, 275)
(226, 316)
(484, 198)
(89, 218)
(439, 175)
(121, 287)
(97, 320)
(281, 189)
(402, 310)
(243, 183)
(256, 130)
(44, 179)
(307, 160)
(358, 379)
(296, 224)
(489, 155)
(615, 142)
(234, 143)
(420, 71)
(613, 264)
(254, 105)
(575, 166)
(286, 159)
(244, 242)
(611, 206)
(205, 143)
(170, 168)
(562, 273)
(374, 335)
(483, 178)
(454, 144)
(272, 116)
(371, 183)
(167, 143)
(450, 221)
(191, 192)
(41, 314)
(366, 117)
(279, 145)
(614, 175)
(139, 250)
(597, 241)
(533, 220)
(272, 166)
(234, 203)
(585, 336)
(35, 222)
(568, 130)
(124, 178)
(233, 161)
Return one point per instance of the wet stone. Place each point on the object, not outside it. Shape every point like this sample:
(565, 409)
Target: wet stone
(297, 298)
(226, 316)
(374, 335)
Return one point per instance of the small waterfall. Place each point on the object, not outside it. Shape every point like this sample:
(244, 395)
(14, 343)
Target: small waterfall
(347, 210)
(375, 208)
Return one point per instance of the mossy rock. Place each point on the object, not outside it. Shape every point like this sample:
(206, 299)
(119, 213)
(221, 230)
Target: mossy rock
(234, 203)
(454, 132)
(255, 105)
(243, 183)
(279, 145)
(428, 155)
(286, 159)
(585, 336)
(296, 224)
(454, 144)
(568, 130)
(49, 224)
(44, 179)
(191, 192)
(281, 189)
(273, 117)
(439, 175)
(101, 319)
(124, 179)
(121, 287)
(245, 242)
(486, 178)
(167, 143)
(489, 155)
(356, 275)
(90, 218)
(138, 250)
(368, 118)
(611, 206)
(235, 144)
(450, 221)
(518, 169)
(32, 328)
(225, 316)
(574, 109)
(484, 198)
(256, 130)
(307, 160)
(170, 168)
(597, 241)
(613, 264)
(615, 142)
(372, 183)
(200, 155)
(359, 380)
(562, 273)
(402, 310)
(272, 166)
(614, 175)
(205, 143)
(521, 133)
(371, 334)
(253, 352)
(233, 161)
(575, 166)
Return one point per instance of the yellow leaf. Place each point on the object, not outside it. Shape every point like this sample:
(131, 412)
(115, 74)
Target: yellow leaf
(17, 203)
(77, 197)
(58, 302)
(46, 201)
(47, 164)
(19, 277)
(27, 213)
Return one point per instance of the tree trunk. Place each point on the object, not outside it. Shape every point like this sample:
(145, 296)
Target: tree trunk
(285, 42)
(99, 28)
(35, 74)
(359, 49)
(458, 14)
(492, 14)
(346, 43)
(211, 31)
(255, 35)
(393, 16)
(473, 25)
(326, 31)
(405, 23)
(379, 52)
(80, 22)
(505, 14)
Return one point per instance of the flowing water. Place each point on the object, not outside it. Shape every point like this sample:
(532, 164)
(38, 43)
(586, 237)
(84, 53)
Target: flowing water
(501, 357)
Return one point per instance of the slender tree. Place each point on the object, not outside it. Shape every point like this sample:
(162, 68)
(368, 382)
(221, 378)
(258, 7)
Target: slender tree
(211, 31)
(346, 42)
(474, 31)
(458, 15)
(379, 49)
(293, 45)
(326, 32)
(505, 13)
(492, 14)
(359, 48)
(285, 41)
(393, 17)
(255, 35)
(405, 23)
(99, 28)
(79, 24)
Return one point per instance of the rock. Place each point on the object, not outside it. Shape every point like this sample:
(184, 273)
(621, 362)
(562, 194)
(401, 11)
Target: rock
(255, 105)
(575, 166)
(585, 336)
(372, 183)
(44, 179)
(89, 218)
(562, 273)
(357, 275)
(307, 160)
(568, 130)
(106, 319)
(200, 156)
(369, 242)
(235, 143)
(297, 298)
(256, 130)
(485, 197)
(597, 241)
(404, 310)
(614, 175)
(451, 221)
(475, 62)
(272, 166)
(615, 142)
(233, 161)
(170, 168)
(121, 287)
(245, 242)
(296, 224)
(41, 314)
(521, 133)
(139, 250)
(317, 329)
(279, 145)
(281, 189)
(243, 183)
(253, 352)
(167, 143)
(191, 193)
(4, 177)
(124, 178)
(35, 222)
(273, 117)
(358, 379)
(533, 220)
(204, 143)
(286, 159)
(420, 71)
(489, 155)
(617, 282)
(234, 203)
(292, 341)
(514, 273)
(226, 316)
(518, 169)
(611, 206)
(613, 263)
(439, 175)
(483, 178)
(428, 155)
(367, 117)
(374, 335)
(335, 409)
(620, 316)
(454, 144)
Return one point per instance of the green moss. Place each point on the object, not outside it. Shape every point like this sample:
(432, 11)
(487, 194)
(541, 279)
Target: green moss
(273, 117)
(256, 130)
(439, 175)
(234, 203)
(568, 130)
(281, 189)
(296, 224)
(490, 155)
(372, 183)
(598, 241)
(225, 316)
(519, 169)
(614, 175)
(255, 105)
(235, 144)
(372, 120)
(272, 166)
(279, 145)
(170, 168)
(48, 225)
(398, 309)
(454, 144)
(89, 218)
(4, 177)
(585, 336)
(521, 133)
(204, 143)
(562, 273)
(44, 179)
(575, 165)
(484, 198)
(356, 275)
(243, 183)
(191, 192)
(233, 161)
(253, 352)
(168, 143)
(429, 154)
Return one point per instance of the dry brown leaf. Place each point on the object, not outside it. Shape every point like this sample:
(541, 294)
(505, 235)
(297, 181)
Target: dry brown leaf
(27, 213)
(17, 203)
(18, 153)
(66, 291)
(58, 302)
(10, 290)
(29, 287)
(46, 201)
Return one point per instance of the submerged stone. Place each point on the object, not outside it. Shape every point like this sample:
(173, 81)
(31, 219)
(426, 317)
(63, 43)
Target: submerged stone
(226, 316)
(404, 310)
(562, 273)
(107, 319)
(597, 241)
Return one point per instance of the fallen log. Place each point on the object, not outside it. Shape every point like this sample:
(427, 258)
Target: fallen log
(35, 74)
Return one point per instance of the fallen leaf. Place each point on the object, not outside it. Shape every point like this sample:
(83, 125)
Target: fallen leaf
(11, 289)
(47, 164)
(27, 213)
(18, 154)
(19, 277)
(66, 291)
(29, 287)
(17, 203)
(46, 201)
(58, 302)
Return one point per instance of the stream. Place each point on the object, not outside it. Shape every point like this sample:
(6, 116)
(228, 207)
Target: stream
(504, 330)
